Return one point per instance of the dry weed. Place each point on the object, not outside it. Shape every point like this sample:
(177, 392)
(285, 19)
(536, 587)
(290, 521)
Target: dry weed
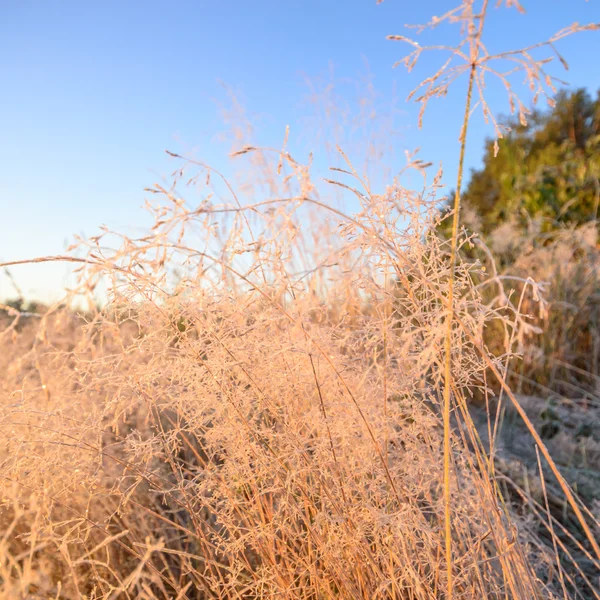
(272, 403)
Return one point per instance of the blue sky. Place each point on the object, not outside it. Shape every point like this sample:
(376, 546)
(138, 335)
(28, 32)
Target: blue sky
(94, 92)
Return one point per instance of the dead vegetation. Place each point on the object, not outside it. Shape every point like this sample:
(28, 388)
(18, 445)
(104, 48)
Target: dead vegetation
(273, 403)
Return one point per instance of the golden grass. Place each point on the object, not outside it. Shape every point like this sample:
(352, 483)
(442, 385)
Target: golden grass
(273, 402)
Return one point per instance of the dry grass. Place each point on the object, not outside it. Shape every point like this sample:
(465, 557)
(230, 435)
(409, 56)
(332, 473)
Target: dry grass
(273, 403)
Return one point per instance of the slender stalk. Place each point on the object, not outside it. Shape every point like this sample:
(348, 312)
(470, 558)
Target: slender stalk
(474, 56)
(448, 339)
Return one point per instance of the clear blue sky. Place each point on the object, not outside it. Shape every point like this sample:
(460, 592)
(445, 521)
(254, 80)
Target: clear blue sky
(93, 92)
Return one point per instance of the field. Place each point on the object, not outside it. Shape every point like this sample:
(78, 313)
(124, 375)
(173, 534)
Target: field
(279, 400)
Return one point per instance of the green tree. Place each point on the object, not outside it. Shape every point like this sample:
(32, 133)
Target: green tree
(547, 171)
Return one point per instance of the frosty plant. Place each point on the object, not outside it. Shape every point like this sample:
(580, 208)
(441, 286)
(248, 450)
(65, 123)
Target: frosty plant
(262, 406)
